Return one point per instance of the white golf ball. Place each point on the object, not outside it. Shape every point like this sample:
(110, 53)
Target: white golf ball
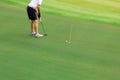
(66, 41)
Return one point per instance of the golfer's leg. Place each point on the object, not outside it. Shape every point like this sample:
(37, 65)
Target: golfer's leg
(36, 26)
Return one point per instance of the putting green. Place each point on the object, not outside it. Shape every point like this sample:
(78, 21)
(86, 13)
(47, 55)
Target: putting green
(92, 55)
(105, 11)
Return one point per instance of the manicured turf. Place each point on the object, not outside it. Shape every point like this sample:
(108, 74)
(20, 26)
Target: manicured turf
(92, 55)
(105, 11)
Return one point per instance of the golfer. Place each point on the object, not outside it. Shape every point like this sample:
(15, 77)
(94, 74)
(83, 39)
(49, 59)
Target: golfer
(33, 11)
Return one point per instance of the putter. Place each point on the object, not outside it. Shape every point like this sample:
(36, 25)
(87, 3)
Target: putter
(70, 36)
(43, 28)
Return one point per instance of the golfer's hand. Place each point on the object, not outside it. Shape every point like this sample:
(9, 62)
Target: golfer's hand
(39, 15)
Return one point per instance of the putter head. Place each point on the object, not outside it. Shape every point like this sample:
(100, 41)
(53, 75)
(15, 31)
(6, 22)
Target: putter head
(45, 35)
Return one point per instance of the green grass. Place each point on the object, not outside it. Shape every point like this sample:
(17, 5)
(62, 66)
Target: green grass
(92, 55)
(86, 10)
(105, 11)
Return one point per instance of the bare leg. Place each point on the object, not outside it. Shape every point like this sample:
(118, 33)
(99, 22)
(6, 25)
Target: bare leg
(37, 35)
(36, 26)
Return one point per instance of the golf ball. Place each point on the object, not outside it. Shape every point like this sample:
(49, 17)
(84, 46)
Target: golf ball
(66, 41)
